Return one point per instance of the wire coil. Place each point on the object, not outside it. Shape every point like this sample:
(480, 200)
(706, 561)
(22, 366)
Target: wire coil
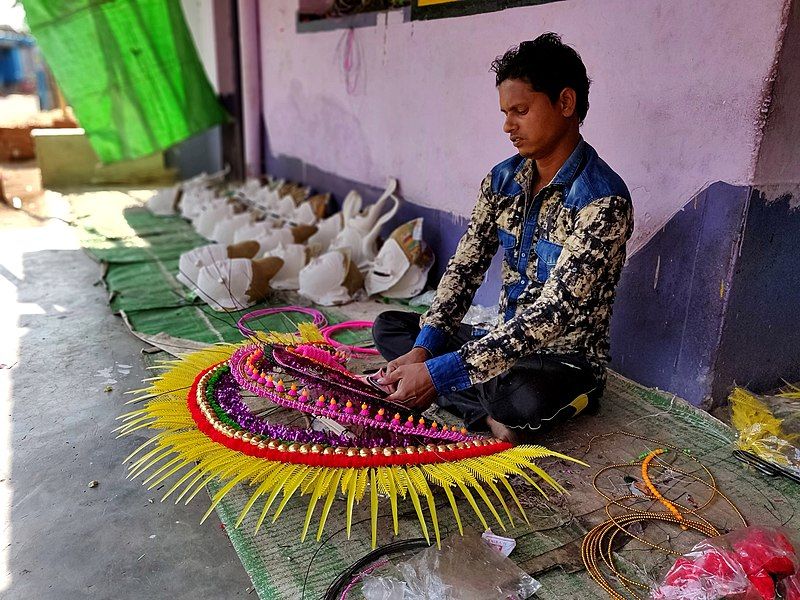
(597, 549)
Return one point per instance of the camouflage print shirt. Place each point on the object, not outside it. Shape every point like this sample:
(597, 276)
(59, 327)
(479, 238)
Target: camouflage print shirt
(563, 253)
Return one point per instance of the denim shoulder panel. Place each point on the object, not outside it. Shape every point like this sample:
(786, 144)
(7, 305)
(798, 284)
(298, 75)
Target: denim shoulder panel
(503, 181)
(596, 180)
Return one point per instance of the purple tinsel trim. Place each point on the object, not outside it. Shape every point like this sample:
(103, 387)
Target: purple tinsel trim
(227, 394)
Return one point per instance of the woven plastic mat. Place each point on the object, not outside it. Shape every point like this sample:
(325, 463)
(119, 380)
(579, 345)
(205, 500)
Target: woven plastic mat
(281, 567)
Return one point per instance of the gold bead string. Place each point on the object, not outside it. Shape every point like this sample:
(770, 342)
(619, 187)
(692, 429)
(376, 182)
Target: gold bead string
(653, 490)
(597, 548)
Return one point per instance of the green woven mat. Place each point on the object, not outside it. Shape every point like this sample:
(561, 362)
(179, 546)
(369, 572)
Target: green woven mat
(200, 323)
(141, 251)
(115, 215)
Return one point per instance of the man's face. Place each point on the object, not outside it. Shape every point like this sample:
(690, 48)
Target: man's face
(534, 124)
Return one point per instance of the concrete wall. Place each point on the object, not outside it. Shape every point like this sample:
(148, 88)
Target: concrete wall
(202, 152)
(779, 152)
(674, 105)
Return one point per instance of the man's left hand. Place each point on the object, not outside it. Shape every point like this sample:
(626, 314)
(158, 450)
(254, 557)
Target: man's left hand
(414, 387)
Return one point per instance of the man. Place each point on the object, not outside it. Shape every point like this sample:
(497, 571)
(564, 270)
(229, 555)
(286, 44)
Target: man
(562, 217)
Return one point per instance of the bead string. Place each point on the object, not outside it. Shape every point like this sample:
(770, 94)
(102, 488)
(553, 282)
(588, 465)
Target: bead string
(597, 549)
(223, 393)
(246, 369)
(318, 454)
(646, 478)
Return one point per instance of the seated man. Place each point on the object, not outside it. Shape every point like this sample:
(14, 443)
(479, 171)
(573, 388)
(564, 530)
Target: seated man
(562, 217)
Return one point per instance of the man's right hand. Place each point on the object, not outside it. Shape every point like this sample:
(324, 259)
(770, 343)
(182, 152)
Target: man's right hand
(414, 356)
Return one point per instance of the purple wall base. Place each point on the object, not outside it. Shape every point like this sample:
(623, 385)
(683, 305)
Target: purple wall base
(706, 304)
(671, 298)
(760, 347)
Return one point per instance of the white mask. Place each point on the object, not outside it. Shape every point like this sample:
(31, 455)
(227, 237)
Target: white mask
(285, 208)
(329, 279)
(224, 284)
(164, 201)
(390, 266)
(360, 234)
(207, 220)
(266, 198)
(253, 231)
(311, 211)
(274, 238)
(225, 230)
(191, 262)
(329, 228)
(194, 200)
(250, 187)
(294, 259)
(410, 284)
(401, 268)
(303, 215)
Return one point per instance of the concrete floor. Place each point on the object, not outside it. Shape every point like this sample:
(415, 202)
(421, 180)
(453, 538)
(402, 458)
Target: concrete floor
(65, 362)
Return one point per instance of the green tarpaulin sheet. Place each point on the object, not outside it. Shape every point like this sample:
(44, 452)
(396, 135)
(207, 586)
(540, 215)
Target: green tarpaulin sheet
(129, 69)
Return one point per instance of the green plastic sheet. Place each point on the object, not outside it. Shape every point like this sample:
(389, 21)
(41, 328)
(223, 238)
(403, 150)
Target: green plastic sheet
(129, 69)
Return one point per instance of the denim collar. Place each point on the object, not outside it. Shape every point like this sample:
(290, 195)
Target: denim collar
(566, 174)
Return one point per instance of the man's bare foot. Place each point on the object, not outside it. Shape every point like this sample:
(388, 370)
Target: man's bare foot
(508, 435)
(501, 432)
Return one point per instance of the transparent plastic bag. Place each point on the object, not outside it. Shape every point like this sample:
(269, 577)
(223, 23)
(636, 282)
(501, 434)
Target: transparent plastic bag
(789, 588)
(481, 315)
(745, 564)
(768, 426)
(466, 568)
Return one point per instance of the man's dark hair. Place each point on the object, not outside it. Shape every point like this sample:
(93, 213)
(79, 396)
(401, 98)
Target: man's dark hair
(549, 66)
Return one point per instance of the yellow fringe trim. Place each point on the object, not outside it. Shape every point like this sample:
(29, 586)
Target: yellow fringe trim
(181, 452)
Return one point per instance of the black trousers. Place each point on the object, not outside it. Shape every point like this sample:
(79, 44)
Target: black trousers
(537, 393)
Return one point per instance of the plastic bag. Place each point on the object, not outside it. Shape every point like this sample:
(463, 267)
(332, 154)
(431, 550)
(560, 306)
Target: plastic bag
(769, 426)
(481, 315)
(745, 564)
(789, 588)
(466, 568)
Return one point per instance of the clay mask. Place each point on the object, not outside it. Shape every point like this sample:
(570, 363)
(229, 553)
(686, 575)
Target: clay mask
(330, 279)
(401, 268)
(223, 284)
(294, 259)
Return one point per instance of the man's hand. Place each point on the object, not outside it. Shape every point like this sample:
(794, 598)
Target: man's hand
(412, 357)
(413, 386)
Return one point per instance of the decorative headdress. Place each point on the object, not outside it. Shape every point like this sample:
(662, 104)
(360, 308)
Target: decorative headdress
(210, 431)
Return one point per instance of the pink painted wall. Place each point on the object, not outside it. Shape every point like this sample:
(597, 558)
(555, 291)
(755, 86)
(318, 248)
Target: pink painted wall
(674, 104)
(779, 152)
